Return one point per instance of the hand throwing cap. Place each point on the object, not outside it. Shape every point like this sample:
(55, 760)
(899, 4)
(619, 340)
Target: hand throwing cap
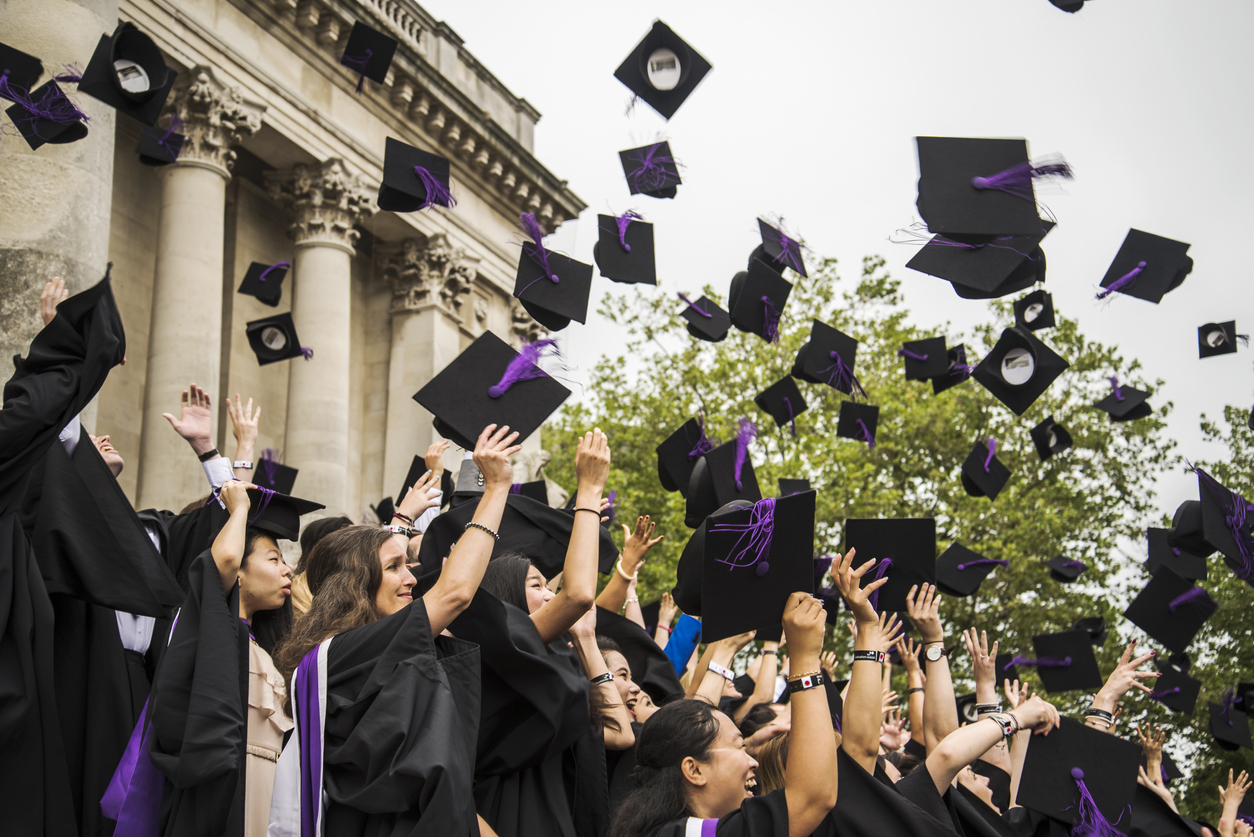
(678, 455)
(1035, 311)
(624, 249)
(490, 383)
(1019, 369)
(278, 514)
(413, 179)
(265, 282)
(369, 52)
(553, 288)
(783, 401)
(960, 572)
(128, 73)
(1147, 266)
(663, 70)
(706, 321)
(983, 474)
(651, 170)
(273, 339)
(757, 299)
(959, 186)
(908, 545)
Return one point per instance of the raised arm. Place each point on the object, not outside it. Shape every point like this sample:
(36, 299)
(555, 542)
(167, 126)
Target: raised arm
(244, 426)
(983, 665)
(463, 571)
(636, 545)
(1124, 678)
(632, 608)
(579, 573)
(707, 681)
(228, 546)
(1232, 796)
(763, 681)
(940, 713)
(860, 727)
(1016, 695)
(965, 745)
(617, 732)
(908, 650)
(195, 426)
(809, 780)
(665, 616)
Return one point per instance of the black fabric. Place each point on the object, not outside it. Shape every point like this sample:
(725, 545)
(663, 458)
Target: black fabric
(587, 784)
(920, 788)
(975, 816)
(65, 367)
(619, 765)
(765, 816)
(867, 807)
(651, 669)
(1153, 817)
(914, 747)
(998, 783)
(401, 720)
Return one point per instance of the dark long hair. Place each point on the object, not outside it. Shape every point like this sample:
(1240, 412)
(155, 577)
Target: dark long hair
(506, 579)
(314, 532)
(675, 732)
(270, 627)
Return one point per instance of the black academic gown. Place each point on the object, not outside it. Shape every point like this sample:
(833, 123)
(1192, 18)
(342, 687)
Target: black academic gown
(67, 364)
(1153, 817)
(869, 807)
(651, 669)
(998, 782)
(765, 816)
(619, 765)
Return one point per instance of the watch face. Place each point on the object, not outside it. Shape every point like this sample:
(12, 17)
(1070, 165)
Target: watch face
(934, 653)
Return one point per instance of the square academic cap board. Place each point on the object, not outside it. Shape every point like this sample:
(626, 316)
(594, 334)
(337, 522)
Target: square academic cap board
(858, 421)
(265, 282)
(757, 297)
(1214, 339)
(1050, 438)
(960, 571)
(1019, 369)
(23, 69)
(706, 320)
(663, 70)
(713, 483)
(985, 267)
(924, 359)
(159, 146)
(413, 179)
(1161, 554)
(792, 486)
(38, 130)
(678, 455)
(1125, 403)
(779, 250)
(983, 474)
(273, 339)
(1229, 726)
(1147, 266)
(1107, 764)
(909, 542)
(553, 304)
(624, 250)
(1169, 609)
(369, 52)
(957, 371)
(651, 170)
(949, 200)
(1219, 515)
(1177, 691)
(460, 400)
(128, 73)
(1065, 661)
(1035, 311)
(783, 401)
(279, 514)
(816, 359)
(275, 476)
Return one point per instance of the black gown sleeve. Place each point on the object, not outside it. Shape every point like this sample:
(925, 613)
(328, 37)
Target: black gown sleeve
(920, 788)
(765, 816)
(866, 807)
(998, 782)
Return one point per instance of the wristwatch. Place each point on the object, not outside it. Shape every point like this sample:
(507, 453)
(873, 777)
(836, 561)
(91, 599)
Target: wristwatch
(934, 652)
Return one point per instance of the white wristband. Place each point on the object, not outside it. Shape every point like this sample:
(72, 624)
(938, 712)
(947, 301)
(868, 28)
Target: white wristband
(242, 463)
(727, 673)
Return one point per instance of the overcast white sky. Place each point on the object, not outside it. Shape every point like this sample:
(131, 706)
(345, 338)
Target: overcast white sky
(811, 110)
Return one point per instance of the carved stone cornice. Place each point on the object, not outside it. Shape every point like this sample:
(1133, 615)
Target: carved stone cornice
(214, 117)
(325, 199)
(431, 272)
(525, 329)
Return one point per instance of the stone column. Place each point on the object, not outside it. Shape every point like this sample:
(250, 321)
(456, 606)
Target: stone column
(325, 201)
(431, 282)
(54, 218)
(184, 344)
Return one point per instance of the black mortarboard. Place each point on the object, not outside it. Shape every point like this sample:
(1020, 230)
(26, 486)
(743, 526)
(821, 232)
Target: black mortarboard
(272, 474)
(651, 170)
(967, 711)
(1125, 403)
(983, 474)
(265, 282)
(384, 510)
(911, 545)
(1162, 554)
(279, 514)
(1217, 339)
(1245, 697)
(754, 560)
(552, 304)
(1177, 691)
(792, 486)
(1230, 727)
(1186, 532)
(369, 52)
(1064, 569)
(959, 370)
(1050, 438)
(1005, 667)
(1019, 369)
(624, 249)
(536, 490)
(778, 250)
(1221, 509)
(160, 146)
(1178, 661)
(417, 468)
(1071, 6)
(1147, 266)
(816, 361)
(52, 117)
(23, 70)
(706, 321)
(783, 401)
(687, 589)
(1057, 763)
(950, 202)
(1065, 661)
(1094, 626)
(413, 179)
(663, 70)
(1035, 311)
(757, 299)
(460, 396)
(678, 455)
(983, 267)
(1171, 609)
(713, 483)
(924, 359)
(127, 72)
(858, 421)
(959, 571)
(273, 339)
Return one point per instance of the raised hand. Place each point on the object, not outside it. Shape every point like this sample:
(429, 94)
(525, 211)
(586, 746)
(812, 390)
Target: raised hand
(587, 625)
(1151, 741)
(805, 621)
(1124, 678)
(592, 461)
(53, 294)
(422, 496)
(1037, 715)
(908, 650)
(1015, 694)
(827, 662)
(434, 457)
(492, 452)
(923, 608)
(636, 544)
(982, 660)
(856, 598)
(888, 702)
(891, 630)
(892, 732)
(244, 421)
(1232, 796)
(195, 422)
(667, 610)
(234, 495)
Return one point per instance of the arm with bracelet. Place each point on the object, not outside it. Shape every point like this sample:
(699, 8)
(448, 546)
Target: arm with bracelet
(244, 426)
(940, 713)
(810, 782)
(860, 727)
(763, 683)
(964, 746)
(1105, 706)
(636, 544)
(714, 669)
(615, 719)
(665, 616)
(908, 650)
(983, 666)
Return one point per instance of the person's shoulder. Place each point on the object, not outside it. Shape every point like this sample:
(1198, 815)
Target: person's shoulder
(759, 816)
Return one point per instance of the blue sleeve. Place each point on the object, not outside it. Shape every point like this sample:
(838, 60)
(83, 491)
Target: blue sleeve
(684, 639)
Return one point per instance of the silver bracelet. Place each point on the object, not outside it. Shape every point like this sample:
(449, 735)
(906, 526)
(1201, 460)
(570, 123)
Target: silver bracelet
(397, 529)
(242, 463)
(473, 524)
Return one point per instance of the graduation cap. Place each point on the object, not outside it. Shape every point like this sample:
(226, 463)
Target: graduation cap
(369, 52)
(959, 571)
(1094, 626)
(959, 370)
(924, 359)
(1064, 661)
(778, 250)
(983, 474)
(1147, 266)
(651, 170)
(128, 73)
(273, 339)
(828, 357)
(1019, 369)
(663, 70)
(417, 469)
(490, 383)
(1005, 667)
(536, 490)
(706, 321)
(905, 549)
(160, 146)
(792, 486)
(1071, 6)
(553, 288)
(624, 249)
(46, 116)
(22, 70)
(1229, 725)
(1244, 697)
(783, 401)
(678, 455)
(1186, 532)
(1080, 776)
(757, 299)
(687, 589)
(1125, 403)
(1219, 339)
(858, 421)
(722, 475)
(754, 559)
(413, 179)
(1050, 438)
(1227, 524)
(278, 513)
(274, 475)
(1171, 609)
(1162, 554)
(1064, 569)
(985, 267)
(265, 282)
(979, 186)
(384, 510)
(1035, 311)
(1176, 690)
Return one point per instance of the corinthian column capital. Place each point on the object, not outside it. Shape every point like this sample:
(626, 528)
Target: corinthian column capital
(214, 117)
(526, 330)
(431, 272)
(326, 201)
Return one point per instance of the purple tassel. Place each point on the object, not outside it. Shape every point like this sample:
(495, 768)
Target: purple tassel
(1043, 662)
(535, 248)
(1114, 384)
(275, 266)
(842, 377)
(770, 320)
(992, 448)
(436, 191)
(703, 445)
(523, 367)
(790, 250)
(1242, 817)
(881, 570)
(1017, 180)
(1175, 550)
(1193, 594)
(744, 436)
(360, 65)
(1229, 701)
(651, 174)
(1089, 819)
(963, 369)
(1001, 561)
(904, 352)
(694, 307)
(1069, 565)
(270, 465)
(1235, 508)
(822, 564)
(623, 222)
(72, 74)
(1162, 769)
(1122, 282)
(866, 434)
(753, 547)
(611, 511)
(306, 352)
(53, 104)
(266, 496)
(1159, 695)
(515, 488)
(791, 418)
(170, 132)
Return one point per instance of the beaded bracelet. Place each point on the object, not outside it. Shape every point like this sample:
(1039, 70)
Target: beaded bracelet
(484, 528)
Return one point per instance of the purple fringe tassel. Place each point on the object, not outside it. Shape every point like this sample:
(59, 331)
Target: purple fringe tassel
(523, 367)
(842, 378)
(1090, 821)
(1193, 594)
(770, 320)
(881, 570)
(694, 307)
(1114, 384)
(1001, 561)
(792, 420)
(53, 105)
(1017, 180)
(275, 266)
(904, 352)
(992, 448)
(790, 251)
(753, 547)
(269, 464)
(623, 222)
(360, 65)
(1159, 695)
(651, 174)
(744, 436)
(1122, 282)
(703, 444)
(436, 191)
(535, 247)
(1235, 508)
(266, 496)
(306, 352)
(866, 434)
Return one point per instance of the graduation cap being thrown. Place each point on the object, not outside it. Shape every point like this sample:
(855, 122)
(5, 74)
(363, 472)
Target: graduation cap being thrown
(1125, 403)
(663, 70)
(272, 474)
(757, 298)
(1214, 339)
(1064, 661)
(1050, 438)
(858, 421)
(783, 401)
(706, 321)
(624, 249)
(794, 486)
(1035, 311)
(161, 146)
(983, 474)
(678, 454)
(1147, 266)
(1064, 569)
(552, 288)
(1019, 369)
(369, 52)
(1227, 523)
(265, 282)
(779, 250)
(19, 71)
(1229, 725)
(128, 73)
(960, 572)
(45, 115)
(413, 179)
(722, 475)
(273, 339)
(985, 267)
(651, 170)
(1160, 553)
(828, 357)
(958, 372)
(924, 359)
(1176, 690)
(904, 549)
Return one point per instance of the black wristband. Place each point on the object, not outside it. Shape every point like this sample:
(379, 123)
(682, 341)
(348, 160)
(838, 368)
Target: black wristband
(915, 690)
(766, 651)
(1093, 712)
(604, 677)
(869, 656)
(207, 455)
(809, 681)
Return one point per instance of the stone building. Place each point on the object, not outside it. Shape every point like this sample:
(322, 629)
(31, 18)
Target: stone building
(282, 163)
